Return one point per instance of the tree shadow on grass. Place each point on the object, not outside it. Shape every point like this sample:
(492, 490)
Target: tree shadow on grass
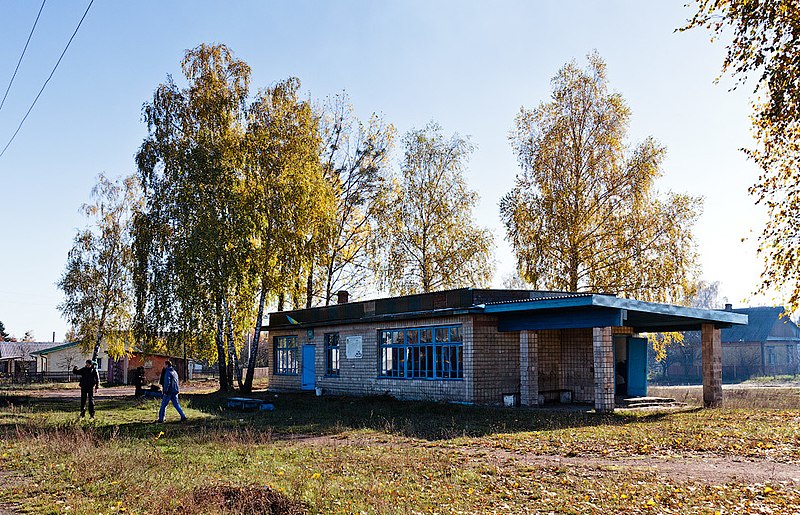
(298, 415)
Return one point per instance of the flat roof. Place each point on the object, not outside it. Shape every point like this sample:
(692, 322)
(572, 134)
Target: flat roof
(516, 310)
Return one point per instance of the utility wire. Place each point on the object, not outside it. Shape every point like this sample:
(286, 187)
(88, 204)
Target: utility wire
(48, 80)
(23, 55)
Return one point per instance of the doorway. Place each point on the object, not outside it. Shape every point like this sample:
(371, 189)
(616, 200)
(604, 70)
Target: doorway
(630, 366)
(308, 374)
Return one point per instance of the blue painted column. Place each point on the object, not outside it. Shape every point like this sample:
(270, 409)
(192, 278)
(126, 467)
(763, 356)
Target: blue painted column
(603, 350)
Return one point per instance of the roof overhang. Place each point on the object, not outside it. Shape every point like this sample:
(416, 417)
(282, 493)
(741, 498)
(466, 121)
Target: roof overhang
(606, 310)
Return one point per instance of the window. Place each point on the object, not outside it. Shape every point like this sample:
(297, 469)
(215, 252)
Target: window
(771, 358)
(332, 354)
(286, 362)
(422, 353)
(99, 363)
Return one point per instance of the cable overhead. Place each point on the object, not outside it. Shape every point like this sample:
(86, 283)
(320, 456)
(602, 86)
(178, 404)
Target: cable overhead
(48, 80)
(23, 55)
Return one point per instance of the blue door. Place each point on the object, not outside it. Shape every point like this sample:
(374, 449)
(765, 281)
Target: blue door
(637, 367)
(308, 377)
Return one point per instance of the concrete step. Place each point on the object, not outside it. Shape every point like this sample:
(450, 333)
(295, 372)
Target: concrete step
(648, 402)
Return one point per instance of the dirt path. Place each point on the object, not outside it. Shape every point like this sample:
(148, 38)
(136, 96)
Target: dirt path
(709, 469)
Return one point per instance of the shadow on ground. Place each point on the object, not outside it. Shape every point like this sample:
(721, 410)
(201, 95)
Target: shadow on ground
(297, 415)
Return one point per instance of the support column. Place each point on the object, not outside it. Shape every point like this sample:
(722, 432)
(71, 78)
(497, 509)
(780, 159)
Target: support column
(529, 368)
(712, 366)
(603, 349)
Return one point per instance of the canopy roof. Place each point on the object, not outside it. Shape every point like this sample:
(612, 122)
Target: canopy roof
(599, 310)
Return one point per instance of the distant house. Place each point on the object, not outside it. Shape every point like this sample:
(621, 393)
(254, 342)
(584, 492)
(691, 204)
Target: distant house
(482, 346)
(120, 371)
(768, 345)
(20, 357)
(62, 357)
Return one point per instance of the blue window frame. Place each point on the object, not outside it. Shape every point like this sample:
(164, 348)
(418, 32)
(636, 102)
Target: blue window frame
(434, 352)
(286, 359)
(332, 354)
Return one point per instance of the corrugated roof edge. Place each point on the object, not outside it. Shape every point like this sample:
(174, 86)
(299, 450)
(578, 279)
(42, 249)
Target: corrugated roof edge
(375, 318)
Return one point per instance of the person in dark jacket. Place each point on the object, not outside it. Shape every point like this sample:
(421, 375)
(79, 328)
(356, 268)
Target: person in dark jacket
(89, 382)
(171, 390)
(138, 381)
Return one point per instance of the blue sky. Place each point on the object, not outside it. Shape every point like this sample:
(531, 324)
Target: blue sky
(468, 65)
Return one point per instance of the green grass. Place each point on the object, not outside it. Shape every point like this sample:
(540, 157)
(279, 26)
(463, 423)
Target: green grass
(377, 455)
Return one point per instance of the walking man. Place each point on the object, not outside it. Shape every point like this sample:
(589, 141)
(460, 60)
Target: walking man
(171, 390)
(89, 381)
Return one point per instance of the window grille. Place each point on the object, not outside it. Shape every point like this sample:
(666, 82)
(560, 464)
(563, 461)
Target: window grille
(422, 353)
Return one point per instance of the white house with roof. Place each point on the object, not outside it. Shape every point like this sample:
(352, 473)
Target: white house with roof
(62, 357)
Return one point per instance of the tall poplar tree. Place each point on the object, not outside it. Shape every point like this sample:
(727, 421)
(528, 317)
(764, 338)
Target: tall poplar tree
(431, 240)
(584, 213)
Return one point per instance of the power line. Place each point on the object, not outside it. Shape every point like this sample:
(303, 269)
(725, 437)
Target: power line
(48, 80)
(23, 55)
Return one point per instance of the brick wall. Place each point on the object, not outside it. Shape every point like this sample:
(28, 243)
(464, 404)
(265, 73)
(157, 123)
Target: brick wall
(359, 376)
(495, 361)
(549, 360)
(577, 360)
(566, 363)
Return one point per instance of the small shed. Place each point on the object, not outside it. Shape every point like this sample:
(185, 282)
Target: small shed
(120, 371)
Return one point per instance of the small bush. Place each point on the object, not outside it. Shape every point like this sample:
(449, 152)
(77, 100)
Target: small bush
(246, 500)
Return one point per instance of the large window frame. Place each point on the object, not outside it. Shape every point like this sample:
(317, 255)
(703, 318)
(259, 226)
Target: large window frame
(332, 354)
(428, 352)
(286, 362)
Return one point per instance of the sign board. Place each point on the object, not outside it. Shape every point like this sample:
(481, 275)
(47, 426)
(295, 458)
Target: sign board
(354, 347)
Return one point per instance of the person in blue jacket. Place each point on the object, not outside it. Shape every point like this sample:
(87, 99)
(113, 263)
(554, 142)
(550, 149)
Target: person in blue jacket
(170, 394)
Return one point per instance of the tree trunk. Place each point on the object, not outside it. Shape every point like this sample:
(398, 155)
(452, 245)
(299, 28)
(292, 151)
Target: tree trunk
(296, 294)
(98, 342)
(247, 387)
(574, 263)
(329, 284)
(281, 301)
(223, 370)
(309, 288)
(234, 360)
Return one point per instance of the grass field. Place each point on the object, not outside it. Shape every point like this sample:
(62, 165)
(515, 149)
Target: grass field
(378, 455)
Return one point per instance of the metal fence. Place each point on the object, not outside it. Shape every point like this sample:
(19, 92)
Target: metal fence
(49, 377)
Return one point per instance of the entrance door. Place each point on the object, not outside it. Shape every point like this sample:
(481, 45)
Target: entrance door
(308, 376)
(637, 367)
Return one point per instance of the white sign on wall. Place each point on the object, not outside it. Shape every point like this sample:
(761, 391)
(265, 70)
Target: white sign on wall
(354, 347)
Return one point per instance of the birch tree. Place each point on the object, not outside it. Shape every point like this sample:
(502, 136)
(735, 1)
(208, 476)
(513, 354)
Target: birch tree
(584, 214)
(355, 157)
(195, 232)
(97, 278)
(291, 202)
(431, 240)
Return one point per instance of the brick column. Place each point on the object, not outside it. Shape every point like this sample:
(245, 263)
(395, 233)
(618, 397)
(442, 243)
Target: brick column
(528, 368)
(603, 349)
(712, 366)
